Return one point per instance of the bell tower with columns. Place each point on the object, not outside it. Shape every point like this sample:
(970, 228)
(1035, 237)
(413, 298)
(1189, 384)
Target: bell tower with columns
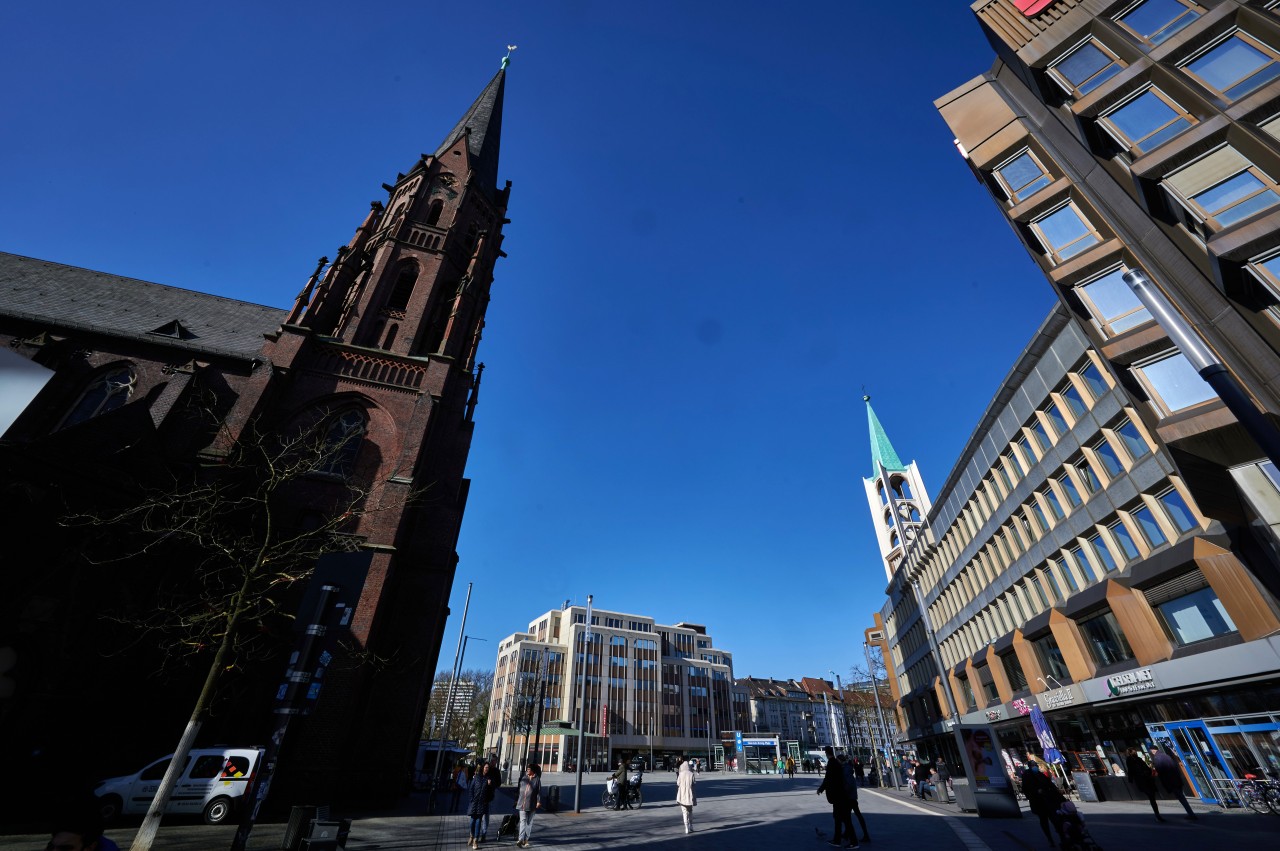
(895, 494)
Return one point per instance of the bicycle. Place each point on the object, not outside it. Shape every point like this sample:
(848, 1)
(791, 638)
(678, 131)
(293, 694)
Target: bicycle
(609, 799)
(1261, 795)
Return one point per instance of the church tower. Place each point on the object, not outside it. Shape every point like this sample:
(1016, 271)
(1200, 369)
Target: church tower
(895, 495)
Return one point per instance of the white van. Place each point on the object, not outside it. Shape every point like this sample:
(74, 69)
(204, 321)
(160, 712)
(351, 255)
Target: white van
(211, 784)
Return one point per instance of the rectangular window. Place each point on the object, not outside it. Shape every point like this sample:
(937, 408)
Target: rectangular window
(1069, 490)
(1052, 582)
(1152, 21)
(1235, 66)
(1068, 576)
(1055, 505)
(1004, 476)
(1179, 513)
(1101, 552)
(1051, 658)
(1174, 383)
(1147, 121)
(1025, 457)
(1085, 68)
(1038, 513)
(1013, 670)
(1108, 458)
(1056, 419)
(1124, 540)
(1195, 617)
(1073, 400)
(1022, 176)
(1064, 233)
(1088, 478)
(1221, 189)
(1107, 643)
(1093, 377)
(1042, 437)
(1039, 587)
(1082, 564)
(1115, 308)
(1147, 524)
(1133, 442)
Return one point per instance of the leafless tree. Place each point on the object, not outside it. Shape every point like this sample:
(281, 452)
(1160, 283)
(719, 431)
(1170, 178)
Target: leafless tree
(234, 527)
(462, 720)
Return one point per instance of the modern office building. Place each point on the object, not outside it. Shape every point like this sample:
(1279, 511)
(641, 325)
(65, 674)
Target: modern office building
(650, 689)
(1143, 136)
(1129, 136)
(1066, 564)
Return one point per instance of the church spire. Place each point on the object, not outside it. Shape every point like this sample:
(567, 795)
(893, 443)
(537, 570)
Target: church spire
(882, 454)
(482, 124)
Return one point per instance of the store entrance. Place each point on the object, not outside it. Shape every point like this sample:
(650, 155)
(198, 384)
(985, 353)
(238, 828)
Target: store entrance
(1201, 759)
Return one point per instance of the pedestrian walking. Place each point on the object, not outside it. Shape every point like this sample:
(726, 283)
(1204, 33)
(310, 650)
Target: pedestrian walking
(1044, 799)
(494, 778)
(528, 801)
(1169, 772)
(851, 803)
(477, 790)
(1142, 777)
(833, 785)
(456, 784)
(791, 768)
(685, 795)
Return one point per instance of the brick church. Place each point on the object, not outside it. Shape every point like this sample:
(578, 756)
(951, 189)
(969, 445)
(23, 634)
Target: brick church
(379, 347)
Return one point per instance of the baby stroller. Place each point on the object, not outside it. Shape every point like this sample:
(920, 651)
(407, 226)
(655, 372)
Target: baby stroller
(1075, 836)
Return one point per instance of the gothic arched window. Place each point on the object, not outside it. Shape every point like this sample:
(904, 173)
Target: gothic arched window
(884, 500)
(343, 434)
(403, 289)
(888, 519)
(108, 391)
(433, 212)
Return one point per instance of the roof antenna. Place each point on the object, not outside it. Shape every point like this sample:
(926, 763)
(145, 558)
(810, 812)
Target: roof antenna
(506, 60)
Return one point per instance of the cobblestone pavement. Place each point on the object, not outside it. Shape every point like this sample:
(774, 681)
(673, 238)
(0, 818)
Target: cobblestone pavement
(743, 813)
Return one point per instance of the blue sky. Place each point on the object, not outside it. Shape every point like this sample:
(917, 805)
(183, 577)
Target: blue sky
(728, 221)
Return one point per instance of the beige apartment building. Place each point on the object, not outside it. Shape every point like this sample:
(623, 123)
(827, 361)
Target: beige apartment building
(651, 690)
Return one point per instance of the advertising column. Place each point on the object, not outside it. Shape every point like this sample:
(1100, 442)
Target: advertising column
(993, 793)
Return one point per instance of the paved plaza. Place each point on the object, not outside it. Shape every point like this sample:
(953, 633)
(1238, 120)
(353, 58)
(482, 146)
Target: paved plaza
(741, 813)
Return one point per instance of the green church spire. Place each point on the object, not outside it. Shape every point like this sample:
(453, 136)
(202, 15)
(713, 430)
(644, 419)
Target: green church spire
(882, 454)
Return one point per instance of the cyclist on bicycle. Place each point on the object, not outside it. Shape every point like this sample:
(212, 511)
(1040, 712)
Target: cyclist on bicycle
(623, 786)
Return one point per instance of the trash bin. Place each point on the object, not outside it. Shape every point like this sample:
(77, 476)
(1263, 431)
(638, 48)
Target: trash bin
(299, 825)
(553, 799)
(327, 835)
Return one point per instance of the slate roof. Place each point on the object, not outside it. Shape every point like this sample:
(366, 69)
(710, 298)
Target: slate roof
(81, 299)
(485, 120)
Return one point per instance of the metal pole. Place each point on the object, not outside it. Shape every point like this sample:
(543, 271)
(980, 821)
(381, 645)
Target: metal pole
(457, 660)
(582, 706)
(844, 714)
(711, 722)
(875, 686)
(1207, 364)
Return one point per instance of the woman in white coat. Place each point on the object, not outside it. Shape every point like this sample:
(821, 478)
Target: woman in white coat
(685, 796)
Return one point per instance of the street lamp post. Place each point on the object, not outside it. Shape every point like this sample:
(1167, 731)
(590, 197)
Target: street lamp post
(457, 664)
(582, 708)
(844, 714)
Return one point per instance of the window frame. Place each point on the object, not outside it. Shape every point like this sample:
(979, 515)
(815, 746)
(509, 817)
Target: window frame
(1141, 144)
(1021, 193)
(1156, 398)
(1107, 324)
(1056, 254)
(1250, 41)
(1188, 16)
(1097, 78)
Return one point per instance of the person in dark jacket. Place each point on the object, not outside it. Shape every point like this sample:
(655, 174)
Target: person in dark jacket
(494, 778)
(1142, 777)
(623, 786)
(477, 803)
(833, 785)
(1170, 775)
(851, 803)
(921, 775)
(1044, 799)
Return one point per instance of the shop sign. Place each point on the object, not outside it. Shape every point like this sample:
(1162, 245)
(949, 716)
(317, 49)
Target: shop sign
(1131, 682)
(759, 743)
(1022, 707)
(1057, 698)
(995, 714)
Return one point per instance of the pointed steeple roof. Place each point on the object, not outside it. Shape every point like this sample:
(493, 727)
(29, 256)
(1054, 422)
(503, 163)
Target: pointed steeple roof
(882, 454)
(484, 121)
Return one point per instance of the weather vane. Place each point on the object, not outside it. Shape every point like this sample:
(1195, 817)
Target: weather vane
(506, 60)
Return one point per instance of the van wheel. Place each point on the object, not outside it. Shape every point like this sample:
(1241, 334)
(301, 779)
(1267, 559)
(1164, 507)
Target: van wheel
(109, 807)
(217, 811)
